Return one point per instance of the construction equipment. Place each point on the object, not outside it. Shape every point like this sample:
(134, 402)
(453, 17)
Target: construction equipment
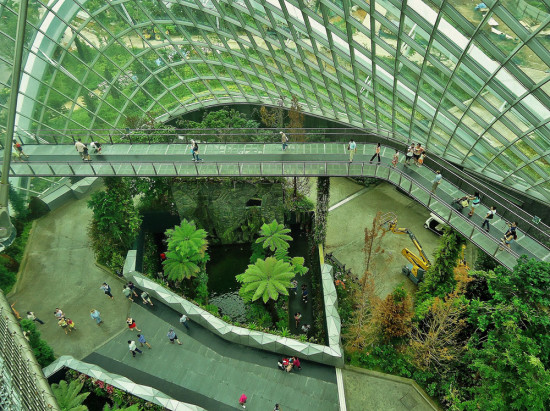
(419, 264)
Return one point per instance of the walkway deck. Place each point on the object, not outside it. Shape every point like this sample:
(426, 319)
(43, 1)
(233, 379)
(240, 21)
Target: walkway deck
(210, 372)
(300, 159)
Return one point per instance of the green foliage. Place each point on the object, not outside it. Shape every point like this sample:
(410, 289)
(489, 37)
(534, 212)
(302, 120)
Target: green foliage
(186, 255)
(18, 204)
(13, 255)
(266, 279)
(223, 118)
(321, 213)
(439, 279)
(274, 236)
(115, 221)
(41, 350)
(201, 288)
(258, 252)
(484, 261)
(68, 395)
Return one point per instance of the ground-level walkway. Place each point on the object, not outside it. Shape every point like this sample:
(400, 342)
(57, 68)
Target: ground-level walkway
(211, 372)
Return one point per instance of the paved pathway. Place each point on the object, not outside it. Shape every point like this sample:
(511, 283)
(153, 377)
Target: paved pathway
(59, 270)
(208, 371)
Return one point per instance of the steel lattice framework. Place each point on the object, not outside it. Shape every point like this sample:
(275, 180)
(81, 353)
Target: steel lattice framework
(471, 85)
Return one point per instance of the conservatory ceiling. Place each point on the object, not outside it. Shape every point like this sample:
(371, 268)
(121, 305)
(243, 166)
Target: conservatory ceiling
(469, 82)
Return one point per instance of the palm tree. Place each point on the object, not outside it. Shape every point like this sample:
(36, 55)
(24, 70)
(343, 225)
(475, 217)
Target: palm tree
(186, 254)
(275, 236)
(68, 397)
(266, 279)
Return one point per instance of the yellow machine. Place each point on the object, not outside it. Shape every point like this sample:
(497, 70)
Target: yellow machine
(418, 263)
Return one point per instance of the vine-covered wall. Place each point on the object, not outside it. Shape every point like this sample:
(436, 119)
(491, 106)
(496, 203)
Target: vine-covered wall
(231, 211)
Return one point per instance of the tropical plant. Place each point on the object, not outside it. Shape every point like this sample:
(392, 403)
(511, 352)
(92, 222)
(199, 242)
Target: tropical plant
(395, 313)
(274, 236)
(321, 212)
(186, 255)
(107, 407)
(68, 396)
(267, 279)
(40, 348)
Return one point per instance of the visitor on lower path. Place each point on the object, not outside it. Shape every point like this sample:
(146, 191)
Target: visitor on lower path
(141, 339)
(376, 153)
(146, 298)
(107, 290)
(133, 349)
(132, 324)
(183, 320)
(242, 401)
(277, 408)
(173, 337)
(297, 318)
(490, 214)
(63, 324)
(70, 324)
(58, 313)
(132, 287)
(296, 363)
(31, 316)
(294, 286)
(127, 292)
(436, 181)
(305, 294)
(96, 316)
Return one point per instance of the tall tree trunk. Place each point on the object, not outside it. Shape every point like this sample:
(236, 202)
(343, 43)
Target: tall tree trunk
(270, 305)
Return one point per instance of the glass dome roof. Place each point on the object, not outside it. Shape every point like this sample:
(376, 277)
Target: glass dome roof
(470, 82)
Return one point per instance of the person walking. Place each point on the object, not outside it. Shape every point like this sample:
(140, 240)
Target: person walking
(58, 313)
(107, 290)
(409, 155)
(31, 316)
(146, 298)
(296, 363)
(512, 227)
(490, 215)
(193, 149)
(509, 237)
(18, 149)
(173, 337)
(436, 181)
(127, 292)
(352, 147)
(284, 140)
(132, 287)
(418, 150)
(242, 400)
(183, 320)
(277, 408)
(63, 324)
(132, 324)
(96, 146)
(297, 318)
(96, 315)
(305, 294)
(141, 339)
(294, 286)
(80, 146)
(421, 159)
(133, 349)
(376, 153)
(476, 201)
(196, 152)
(70, 324)
(395, 158)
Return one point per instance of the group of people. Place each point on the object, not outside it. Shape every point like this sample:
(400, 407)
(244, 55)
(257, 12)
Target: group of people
(288, 364)
(63, 321)
(415, 152)
(82, 149)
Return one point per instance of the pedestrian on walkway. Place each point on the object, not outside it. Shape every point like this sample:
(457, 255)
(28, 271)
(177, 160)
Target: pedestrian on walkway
(146, 298)
(421, 159)
(418, 150)
(436, 181)
(132, 324)
(70, 324)
(63, 324)
(96, 315)
(196, 152)
(294, 286)
(31, 316)
(277, 408)
(395, 158)
(305, 328)
(183, 320)
(508, 239)
(296, 363)
(284, 140)
(107, 290)
(173, 337)
(297, 318)
(376, 153)
(127, 292)
(409, 155)
(352, 147)
(80, 146)
(132, 287)
(512, 227)
(18, 149)
(242, 400)
(96, 146)
(490, 214)
(142, 341)
(192, 143)
(305, 294)
(476, 201)
(58, 313)
(133, 349)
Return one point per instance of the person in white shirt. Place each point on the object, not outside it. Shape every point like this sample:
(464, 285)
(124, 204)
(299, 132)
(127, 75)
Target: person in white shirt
(490, 215)
(80, 146)
(183, 320)
(352, 147)
(133, 349)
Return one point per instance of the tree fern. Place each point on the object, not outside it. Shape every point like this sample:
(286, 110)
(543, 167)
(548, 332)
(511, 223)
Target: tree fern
(267, 279)
(274, 236)
(68, 396)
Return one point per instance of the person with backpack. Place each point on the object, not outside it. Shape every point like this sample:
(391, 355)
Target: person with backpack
(490, 215)
(19, 150)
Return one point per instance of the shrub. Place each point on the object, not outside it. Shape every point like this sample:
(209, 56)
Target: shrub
(41, 350)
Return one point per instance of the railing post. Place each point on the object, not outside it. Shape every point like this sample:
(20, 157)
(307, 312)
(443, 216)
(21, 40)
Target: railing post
(72, 170)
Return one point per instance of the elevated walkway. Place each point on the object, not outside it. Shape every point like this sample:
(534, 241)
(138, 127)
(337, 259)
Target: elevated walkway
(300, 159)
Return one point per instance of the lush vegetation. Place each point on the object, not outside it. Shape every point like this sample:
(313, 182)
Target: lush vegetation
(41, 350)
(474, 340)
(81, 388)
